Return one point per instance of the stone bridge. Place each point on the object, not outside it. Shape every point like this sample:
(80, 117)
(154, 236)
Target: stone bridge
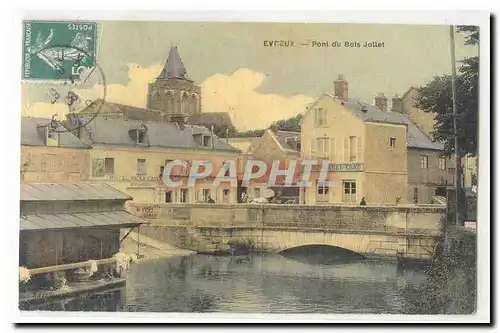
(411, 231)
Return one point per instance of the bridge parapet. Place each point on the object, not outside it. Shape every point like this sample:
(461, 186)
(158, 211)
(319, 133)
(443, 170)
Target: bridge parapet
(379, 219)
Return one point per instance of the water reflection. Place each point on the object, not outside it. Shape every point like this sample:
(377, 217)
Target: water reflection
(321, 254)
(108, 301)
(264, 283)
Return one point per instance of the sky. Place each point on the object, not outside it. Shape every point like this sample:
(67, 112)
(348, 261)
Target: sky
(255, 83)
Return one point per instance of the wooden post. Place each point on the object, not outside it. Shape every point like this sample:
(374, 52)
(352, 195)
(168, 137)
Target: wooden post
(56, 268)
(138, 239)
(458, 160)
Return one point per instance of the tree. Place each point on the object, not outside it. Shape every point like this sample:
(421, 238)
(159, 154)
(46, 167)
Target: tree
(250, 134)
(291, 124)
(436, 97)
(224, 131)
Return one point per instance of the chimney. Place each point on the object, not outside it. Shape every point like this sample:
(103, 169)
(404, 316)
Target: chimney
(274, 128)
(397, 104)
(179, 119)
(381, 102)
(341, 89)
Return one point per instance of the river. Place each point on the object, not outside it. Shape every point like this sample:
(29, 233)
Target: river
(260, 283)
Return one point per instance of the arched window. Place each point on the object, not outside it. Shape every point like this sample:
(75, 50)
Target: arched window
(162, 102)
(193, 101)
(156, 99)
(169, 96)
(178, 102)
(184, 103)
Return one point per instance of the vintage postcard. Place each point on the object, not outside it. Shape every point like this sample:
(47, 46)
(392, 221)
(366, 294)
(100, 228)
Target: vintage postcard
(270, 168)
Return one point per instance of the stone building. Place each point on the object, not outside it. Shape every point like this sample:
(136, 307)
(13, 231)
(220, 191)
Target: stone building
(110, 110)
(218, 120)
(426, 122)
(50, 153)
(245, 144)
(130, 155)
(173, 92)
(63, 223)
(274, 145)
(172, 96)
(371, 152)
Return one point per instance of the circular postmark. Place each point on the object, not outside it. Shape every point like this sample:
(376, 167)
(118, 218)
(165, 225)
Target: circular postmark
(70, 78)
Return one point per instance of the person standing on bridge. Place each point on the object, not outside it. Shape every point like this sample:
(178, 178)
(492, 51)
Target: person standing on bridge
(363, 201)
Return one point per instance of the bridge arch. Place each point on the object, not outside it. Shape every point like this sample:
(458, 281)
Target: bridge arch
(320, 253)
(355, 242)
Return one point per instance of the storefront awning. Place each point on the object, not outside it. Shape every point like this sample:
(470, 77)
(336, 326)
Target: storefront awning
(119, 219)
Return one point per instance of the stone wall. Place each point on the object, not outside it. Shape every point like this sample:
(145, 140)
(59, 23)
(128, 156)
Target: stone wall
(54, 164)
(147, 188)
(386, 219)
(56, 247)
(368, 230)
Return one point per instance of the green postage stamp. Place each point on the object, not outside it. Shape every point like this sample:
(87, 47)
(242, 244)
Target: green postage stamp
(59, 50)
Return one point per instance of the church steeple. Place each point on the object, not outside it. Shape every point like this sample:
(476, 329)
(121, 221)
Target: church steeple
(173, 92)
(174, 68)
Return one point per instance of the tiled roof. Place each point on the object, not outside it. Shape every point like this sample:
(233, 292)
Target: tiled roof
(282, 137)
(115, 131)
(32, 134)
(174, 68)
(246, 145)
(31, 191)
(79, 220)
(416, 138)
(110, 109)
(210, 118)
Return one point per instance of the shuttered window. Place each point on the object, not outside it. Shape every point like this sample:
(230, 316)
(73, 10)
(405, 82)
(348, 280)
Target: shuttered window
(346, 149)
(184, 195)
(333, 150)
(359, 156)
(109, 166)
(352, 148)
(141, 166)
(320, 117)
(322, 146)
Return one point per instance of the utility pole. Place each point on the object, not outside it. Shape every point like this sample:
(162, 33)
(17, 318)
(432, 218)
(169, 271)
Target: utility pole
(458, 162)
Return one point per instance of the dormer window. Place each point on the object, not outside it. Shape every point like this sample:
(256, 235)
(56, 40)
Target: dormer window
(52, 138)
(207, 141)
(138, 134)
(141, 136)
(202, 139)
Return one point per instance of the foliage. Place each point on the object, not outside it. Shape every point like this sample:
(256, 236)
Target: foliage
(291, 124)
(224, 131)
(450, 286)
(250, 134)
(436, 97)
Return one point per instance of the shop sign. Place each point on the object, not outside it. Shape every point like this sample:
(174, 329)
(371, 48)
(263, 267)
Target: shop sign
(350, 167)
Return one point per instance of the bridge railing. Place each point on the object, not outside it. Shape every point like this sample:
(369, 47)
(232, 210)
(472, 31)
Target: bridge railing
(398, 219)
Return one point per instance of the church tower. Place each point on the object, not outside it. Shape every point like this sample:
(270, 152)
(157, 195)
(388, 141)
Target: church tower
(173, 92)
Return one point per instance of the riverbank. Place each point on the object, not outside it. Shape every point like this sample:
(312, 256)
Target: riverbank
(149, 248)
(450, 286)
